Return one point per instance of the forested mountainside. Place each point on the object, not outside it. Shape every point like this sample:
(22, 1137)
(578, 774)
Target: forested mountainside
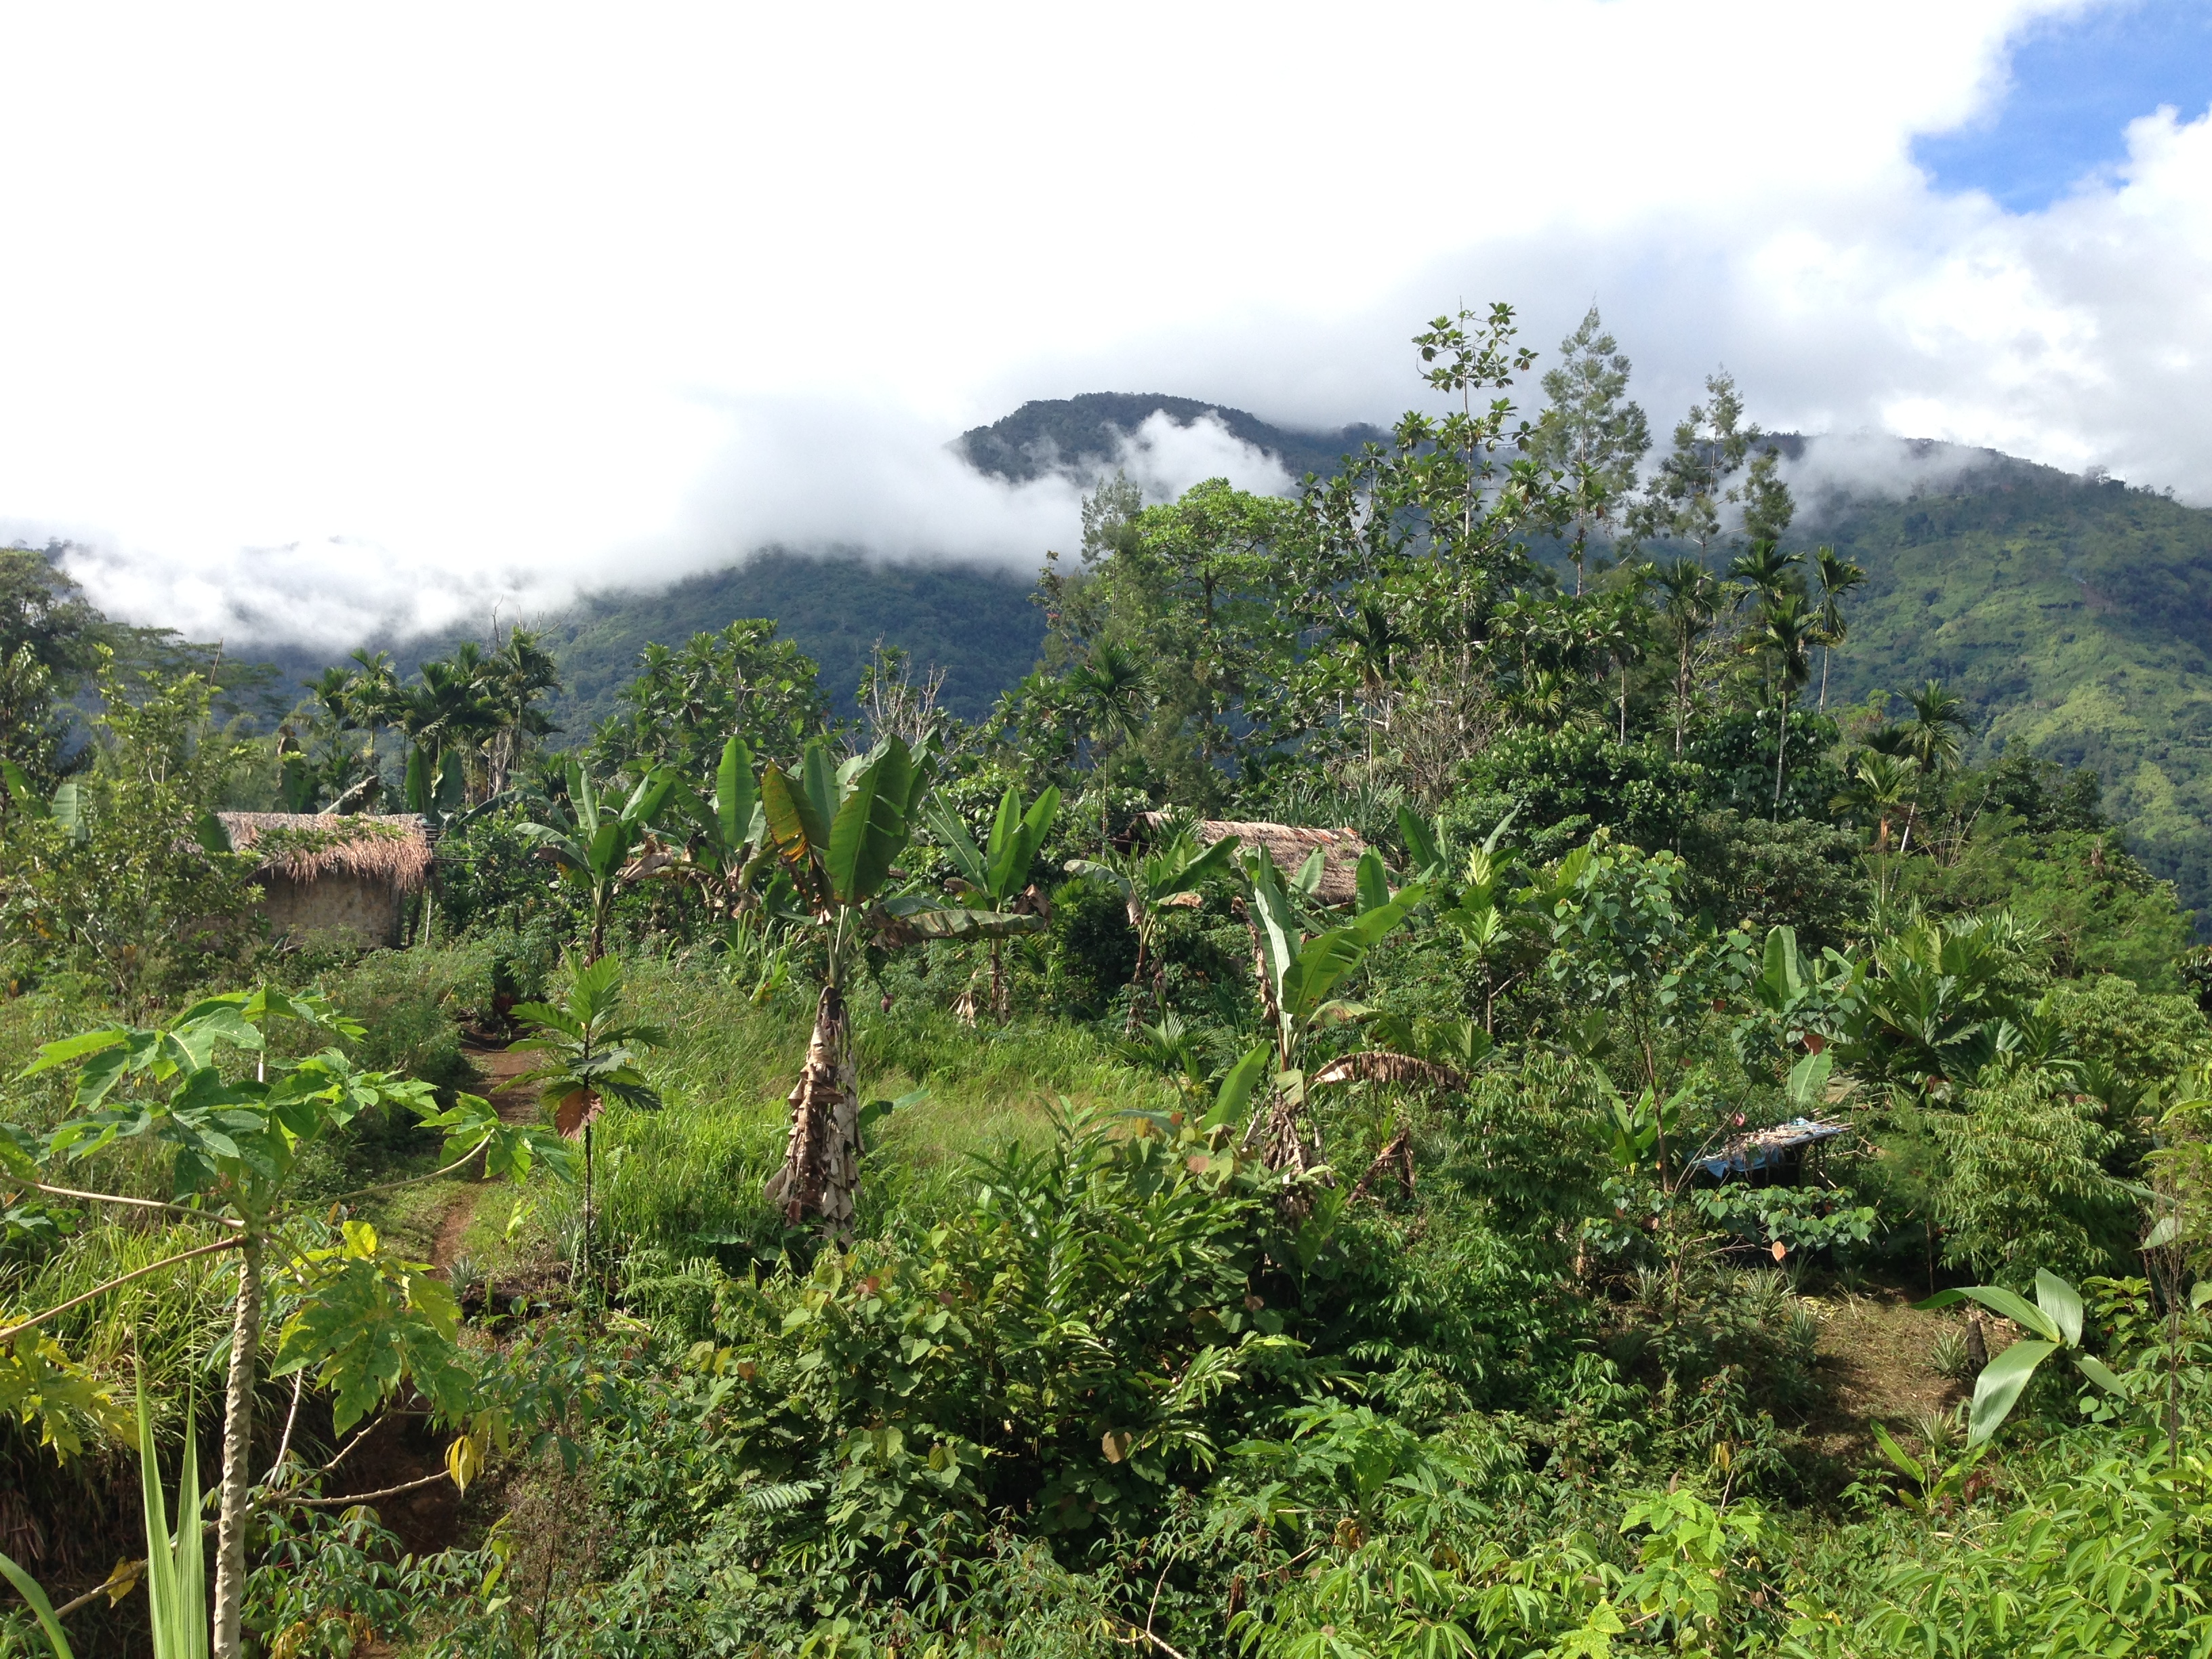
(2074, 615)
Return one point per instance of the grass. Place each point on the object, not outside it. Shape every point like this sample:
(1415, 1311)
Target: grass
(690, 1175)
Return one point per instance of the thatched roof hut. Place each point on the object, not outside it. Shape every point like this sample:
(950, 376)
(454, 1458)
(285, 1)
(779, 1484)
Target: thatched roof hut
(320, 873)
(1288, 844)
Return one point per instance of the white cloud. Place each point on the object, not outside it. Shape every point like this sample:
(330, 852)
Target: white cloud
(452, 303)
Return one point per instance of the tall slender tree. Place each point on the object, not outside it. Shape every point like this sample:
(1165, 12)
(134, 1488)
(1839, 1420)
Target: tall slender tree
(1837, 577)
(1592, 435)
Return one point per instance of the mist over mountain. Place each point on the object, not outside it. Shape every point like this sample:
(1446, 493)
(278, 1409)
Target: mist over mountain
(2074, 613)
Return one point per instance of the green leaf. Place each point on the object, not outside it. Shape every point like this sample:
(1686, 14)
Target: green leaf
(818, 777)
(19, 787)
(2200, 1294)
(2063, 1303)
(2099, 1373)
(734, 794)
(644, 805)
(1807, 1084)
(41, 1610)
(801, 834)
(1233, 1098)
(1374, 884)
(67, 811)
(1421, 849)
(61, 1053)
(870, 830)
(949, 832)
(1903, 1460)
(2004, 1302)
(1999, 1387)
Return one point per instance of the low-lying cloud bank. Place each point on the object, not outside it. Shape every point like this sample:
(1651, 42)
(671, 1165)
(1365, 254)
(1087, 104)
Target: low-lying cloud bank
(808, 478)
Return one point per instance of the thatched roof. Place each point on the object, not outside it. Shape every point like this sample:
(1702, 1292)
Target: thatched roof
(1289, 845)
(303, 846)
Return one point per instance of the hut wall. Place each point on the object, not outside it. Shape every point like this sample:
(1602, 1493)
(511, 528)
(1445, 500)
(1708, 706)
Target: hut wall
(335, 903)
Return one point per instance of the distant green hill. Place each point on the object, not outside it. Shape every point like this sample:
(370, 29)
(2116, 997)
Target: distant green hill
(2077, 617)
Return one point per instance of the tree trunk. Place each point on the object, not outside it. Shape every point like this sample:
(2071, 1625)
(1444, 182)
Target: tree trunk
(820, 1170)
(1781, 746)
(237, 1454)
(1977, 1346)
(1137, 984)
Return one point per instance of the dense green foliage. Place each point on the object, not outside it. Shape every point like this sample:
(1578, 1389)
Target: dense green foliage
(1020, 1216)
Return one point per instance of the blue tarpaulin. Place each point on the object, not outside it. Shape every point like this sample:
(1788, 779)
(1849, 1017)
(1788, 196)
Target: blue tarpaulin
(1764, 1146)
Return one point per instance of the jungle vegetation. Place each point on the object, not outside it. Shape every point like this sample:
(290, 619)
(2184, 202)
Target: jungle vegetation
(840, 1177)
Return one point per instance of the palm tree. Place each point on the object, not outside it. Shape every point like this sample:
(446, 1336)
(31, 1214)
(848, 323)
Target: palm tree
(1688, 608)
(1765, 572)
(1885, 788)
(1936, 735)
(1374, 640)
(518, 677)
(1785, 634)
(1837, 577)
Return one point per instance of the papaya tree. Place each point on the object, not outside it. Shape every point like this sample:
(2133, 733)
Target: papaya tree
(993, 877)
(235, 1120)
(836, 831)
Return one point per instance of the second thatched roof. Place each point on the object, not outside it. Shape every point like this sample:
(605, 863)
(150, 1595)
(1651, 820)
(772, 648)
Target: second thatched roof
(1290, 845)
(301, 847)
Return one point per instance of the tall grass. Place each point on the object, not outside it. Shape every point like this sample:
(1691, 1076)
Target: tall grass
(688, 1177)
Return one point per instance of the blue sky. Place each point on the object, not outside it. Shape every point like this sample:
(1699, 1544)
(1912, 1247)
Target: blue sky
(2075, 83)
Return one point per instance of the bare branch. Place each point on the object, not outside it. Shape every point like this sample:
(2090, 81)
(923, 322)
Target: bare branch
(139, 1203)
(363, 1496)
(36, 1320)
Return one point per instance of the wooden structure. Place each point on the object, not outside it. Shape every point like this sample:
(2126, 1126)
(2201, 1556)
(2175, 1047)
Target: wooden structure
(339, 880)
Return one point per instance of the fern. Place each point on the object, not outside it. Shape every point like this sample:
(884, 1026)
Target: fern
(778, 1497)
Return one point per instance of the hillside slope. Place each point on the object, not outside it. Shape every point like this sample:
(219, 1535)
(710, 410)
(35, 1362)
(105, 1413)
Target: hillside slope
(2076, 617)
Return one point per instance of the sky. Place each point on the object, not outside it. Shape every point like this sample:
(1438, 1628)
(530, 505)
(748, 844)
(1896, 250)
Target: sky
(318, 322)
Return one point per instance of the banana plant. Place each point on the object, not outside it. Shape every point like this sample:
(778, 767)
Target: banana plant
(1150, 880)
(595, 853)
(732, 841)
(993, 876)
(836, 831)
(591, 1059)
(2053, 1324)
(1301, 975)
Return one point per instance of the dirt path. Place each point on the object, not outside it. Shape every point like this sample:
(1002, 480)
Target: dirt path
(498, 1067)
